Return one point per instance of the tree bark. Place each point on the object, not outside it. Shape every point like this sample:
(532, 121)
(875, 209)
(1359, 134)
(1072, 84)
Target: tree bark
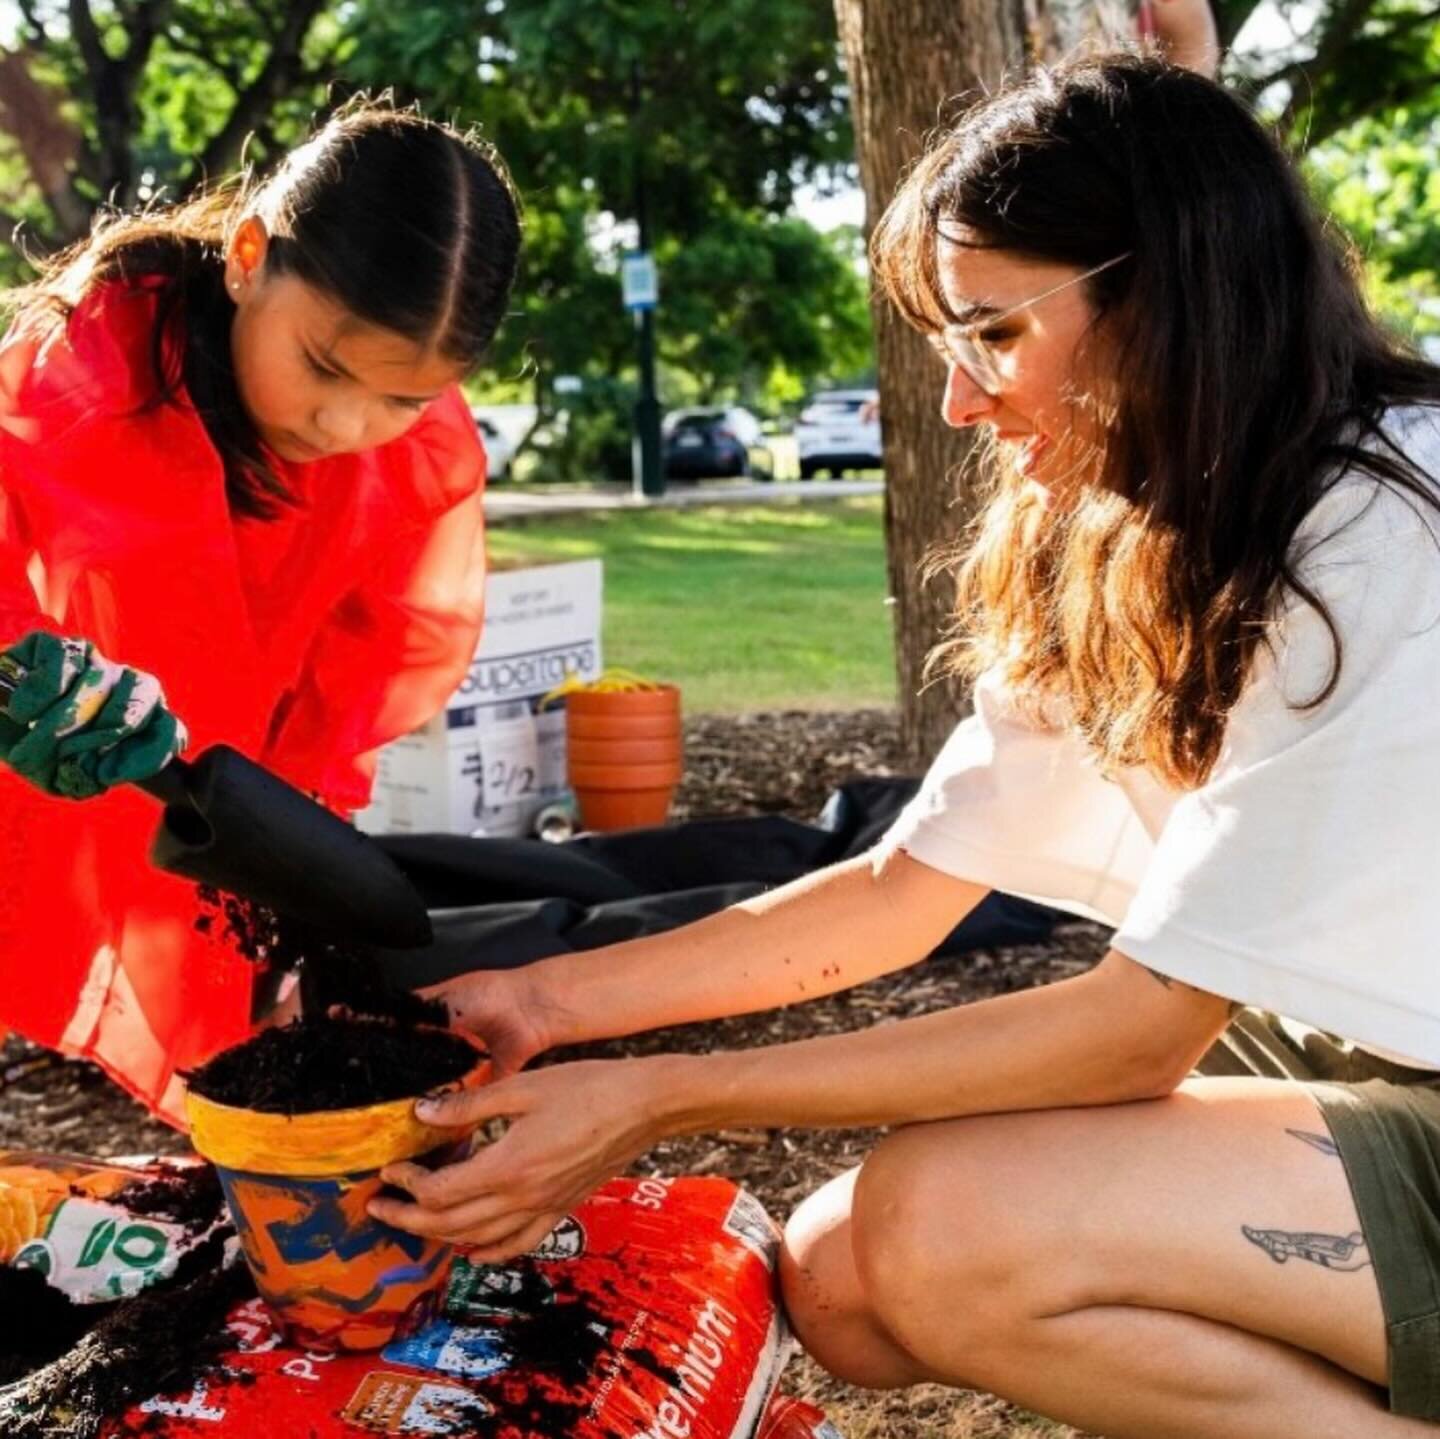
(906, 59)
(48, 142)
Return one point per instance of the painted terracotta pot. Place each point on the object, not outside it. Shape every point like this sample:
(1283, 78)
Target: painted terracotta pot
(297, 1188)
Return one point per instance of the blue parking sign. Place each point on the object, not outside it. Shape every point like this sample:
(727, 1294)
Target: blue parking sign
(639, 282)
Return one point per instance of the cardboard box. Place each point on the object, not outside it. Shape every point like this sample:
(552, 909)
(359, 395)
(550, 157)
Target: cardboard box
(492, 761)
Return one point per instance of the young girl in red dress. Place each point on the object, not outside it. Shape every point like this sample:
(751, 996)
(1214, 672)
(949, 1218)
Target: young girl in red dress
(239, 497)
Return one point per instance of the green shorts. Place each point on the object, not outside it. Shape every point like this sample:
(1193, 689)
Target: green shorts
(1385, 1120)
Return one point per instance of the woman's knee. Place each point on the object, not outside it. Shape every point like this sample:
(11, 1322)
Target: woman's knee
(817, 1266)
(824, 1300)
(935, 1251)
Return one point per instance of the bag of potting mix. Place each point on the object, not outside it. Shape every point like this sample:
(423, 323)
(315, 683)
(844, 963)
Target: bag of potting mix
(786, 1418)
(101, 1231)
(649, 1313)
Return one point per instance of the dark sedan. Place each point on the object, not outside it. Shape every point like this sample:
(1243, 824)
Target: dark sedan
(704, 444)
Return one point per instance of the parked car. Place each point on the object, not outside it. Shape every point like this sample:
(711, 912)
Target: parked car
(498, 450)
(839, 430)
(710, 441)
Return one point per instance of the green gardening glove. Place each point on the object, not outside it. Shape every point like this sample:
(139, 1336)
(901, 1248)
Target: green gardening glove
(81, 723)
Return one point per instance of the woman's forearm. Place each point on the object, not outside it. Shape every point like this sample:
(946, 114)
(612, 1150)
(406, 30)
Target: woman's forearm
(1106, 1037)
(814, 936)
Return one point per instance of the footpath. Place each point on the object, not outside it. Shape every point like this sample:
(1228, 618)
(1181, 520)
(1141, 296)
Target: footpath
(523, 502)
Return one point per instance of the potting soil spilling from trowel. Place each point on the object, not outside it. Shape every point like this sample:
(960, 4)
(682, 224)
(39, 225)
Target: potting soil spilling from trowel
(331, 975)
(322, 1063)
(336, 978)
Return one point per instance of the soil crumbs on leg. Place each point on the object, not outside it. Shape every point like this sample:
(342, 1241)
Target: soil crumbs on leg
(772, 763)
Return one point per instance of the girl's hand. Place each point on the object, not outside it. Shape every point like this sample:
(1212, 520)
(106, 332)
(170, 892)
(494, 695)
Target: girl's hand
(75, 724)
(572, 1127)
(511, 1010)
(1187, 34)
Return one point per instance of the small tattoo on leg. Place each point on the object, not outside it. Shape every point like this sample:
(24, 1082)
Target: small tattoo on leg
(1322, 1142)
(1331, 1251)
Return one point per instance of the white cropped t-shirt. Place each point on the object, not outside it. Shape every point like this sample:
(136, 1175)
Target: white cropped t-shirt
(1304, 876)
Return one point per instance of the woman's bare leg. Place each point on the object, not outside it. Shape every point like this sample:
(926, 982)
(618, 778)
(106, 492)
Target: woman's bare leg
(825, 1301)
(1188, 1266)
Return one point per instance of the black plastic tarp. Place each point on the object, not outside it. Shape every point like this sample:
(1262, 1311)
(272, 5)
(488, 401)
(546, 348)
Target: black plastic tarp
(499, 903)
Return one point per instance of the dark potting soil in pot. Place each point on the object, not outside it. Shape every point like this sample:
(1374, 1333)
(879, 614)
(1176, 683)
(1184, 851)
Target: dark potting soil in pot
(323, 1063)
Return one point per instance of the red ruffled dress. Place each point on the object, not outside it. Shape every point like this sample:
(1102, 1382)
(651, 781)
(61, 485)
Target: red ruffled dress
(305, 642)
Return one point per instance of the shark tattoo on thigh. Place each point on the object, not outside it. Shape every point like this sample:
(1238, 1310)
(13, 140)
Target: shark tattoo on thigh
(1332, 1251)
(1322, 1142)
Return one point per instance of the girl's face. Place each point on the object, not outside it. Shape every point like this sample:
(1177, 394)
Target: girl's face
(1037, 408)
(315, 380)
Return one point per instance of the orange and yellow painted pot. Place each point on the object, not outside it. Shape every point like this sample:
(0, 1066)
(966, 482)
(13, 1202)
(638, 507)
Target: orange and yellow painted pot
(297, 1187)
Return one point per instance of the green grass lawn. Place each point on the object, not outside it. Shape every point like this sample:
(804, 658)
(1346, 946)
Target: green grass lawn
(775, 606)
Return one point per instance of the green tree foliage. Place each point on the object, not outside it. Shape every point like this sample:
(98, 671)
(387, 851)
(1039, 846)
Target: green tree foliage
(116, 101)
(705, 117)
(1354, 85)
(1345, 60)
(1380, 181)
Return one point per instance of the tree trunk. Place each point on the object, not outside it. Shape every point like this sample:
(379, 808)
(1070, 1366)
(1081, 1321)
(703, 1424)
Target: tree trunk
(49, 142)
(905, 59)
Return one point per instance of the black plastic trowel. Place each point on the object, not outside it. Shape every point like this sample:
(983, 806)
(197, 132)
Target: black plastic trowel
(232, 824)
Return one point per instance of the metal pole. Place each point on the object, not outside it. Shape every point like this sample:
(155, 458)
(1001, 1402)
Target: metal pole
(651, 473)
(647, 410)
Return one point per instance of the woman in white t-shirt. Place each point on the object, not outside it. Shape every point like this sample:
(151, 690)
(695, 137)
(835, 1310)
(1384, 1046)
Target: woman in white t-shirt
(1203, 607)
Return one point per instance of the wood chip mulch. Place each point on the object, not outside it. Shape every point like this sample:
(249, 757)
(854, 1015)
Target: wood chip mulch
(768, 763)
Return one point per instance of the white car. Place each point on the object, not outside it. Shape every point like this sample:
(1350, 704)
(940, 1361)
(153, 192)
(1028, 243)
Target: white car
(498, 450)
(839, 430)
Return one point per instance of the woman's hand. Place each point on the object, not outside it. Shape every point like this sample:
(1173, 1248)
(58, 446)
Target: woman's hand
(572, 1127)
(75, 724)
(511, 1010)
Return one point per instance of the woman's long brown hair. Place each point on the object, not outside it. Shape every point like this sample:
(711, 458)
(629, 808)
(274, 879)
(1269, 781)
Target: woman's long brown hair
(1246, 374)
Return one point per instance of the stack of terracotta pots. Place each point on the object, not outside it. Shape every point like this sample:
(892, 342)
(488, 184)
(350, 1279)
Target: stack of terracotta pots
(624, 752)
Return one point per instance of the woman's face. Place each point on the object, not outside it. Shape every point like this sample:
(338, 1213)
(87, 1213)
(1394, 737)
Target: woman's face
(1039, 410)
(314, 379)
